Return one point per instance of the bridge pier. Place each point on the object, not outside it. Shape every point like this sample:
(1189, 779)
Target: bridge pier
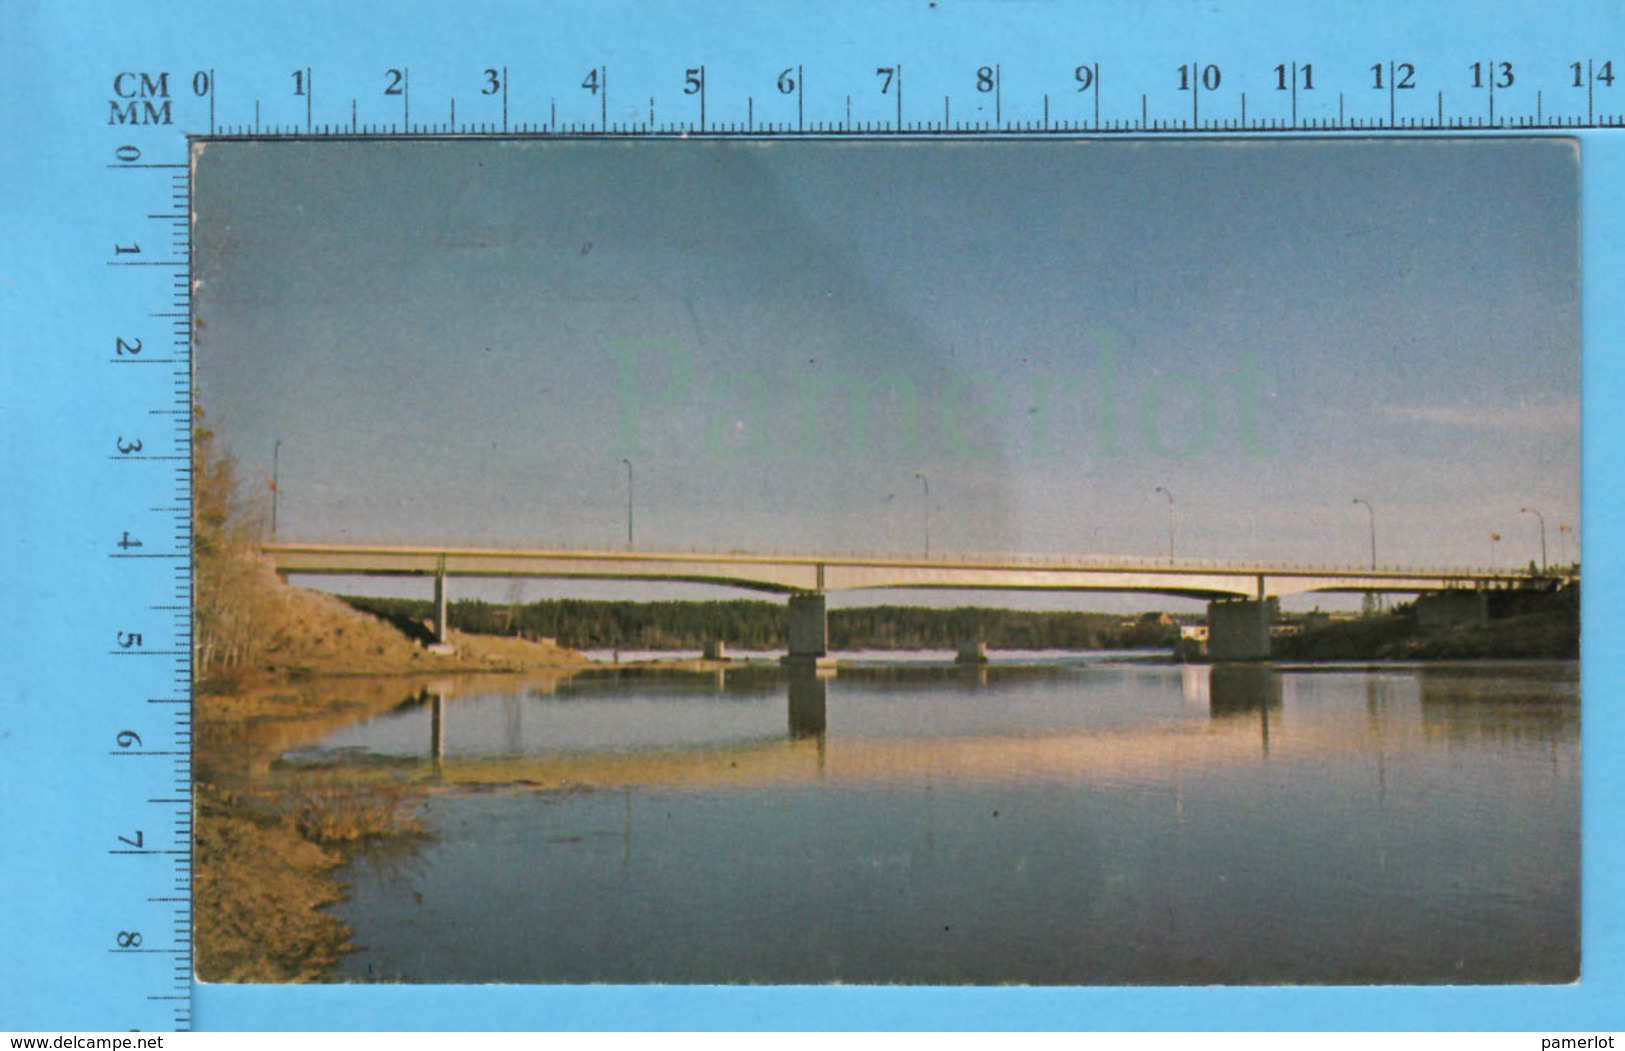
(972, 651)
(440, 603)
(808, 634)
(1238, 630)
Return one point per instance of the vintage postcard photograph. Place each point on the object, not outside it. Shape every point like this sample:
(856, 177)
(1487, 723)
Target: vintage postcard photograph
(1010, 562)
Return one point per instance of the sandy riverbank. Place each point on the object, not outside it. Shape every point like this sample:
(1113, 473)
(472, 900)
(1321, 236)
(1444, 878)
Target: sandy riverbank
(264, 859)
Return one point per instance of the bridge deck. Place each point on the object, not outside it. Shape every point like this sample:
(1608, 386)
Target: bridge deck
(824, 573)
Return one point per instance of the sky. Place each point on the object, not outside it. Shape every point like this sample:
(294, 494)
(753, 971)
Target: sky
(462, 342)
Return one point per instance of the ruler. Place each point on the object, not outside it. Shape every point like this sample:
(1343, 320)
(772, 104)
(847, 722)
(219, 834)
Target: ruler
(149, 461)
(1228, 95)
(118, 98)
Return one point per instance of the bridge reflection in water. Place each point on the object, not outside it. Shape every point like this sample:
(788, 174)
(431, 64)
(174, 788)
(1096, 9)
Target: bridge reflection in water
(1251, 709)
(664, 800)
(1243, 690)
(806, 690)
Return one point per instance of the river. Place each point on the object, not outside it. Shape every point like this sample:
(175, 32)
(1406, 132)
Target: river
(1045, 819)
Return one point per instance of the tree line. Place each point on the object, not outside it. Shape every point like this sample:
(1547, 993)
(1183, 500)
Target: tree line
(754, 625)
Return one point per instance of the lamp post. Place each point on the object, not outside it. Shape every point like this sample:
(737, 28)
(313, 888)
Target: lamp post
(1371, 513)
(1170, 497)
(926, 483)
(276, 482)
(628, 502)
(1537, 514)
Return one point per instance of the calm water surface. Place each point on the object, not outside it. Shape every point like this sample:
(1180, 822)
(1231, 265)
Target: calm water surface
(1056, 821)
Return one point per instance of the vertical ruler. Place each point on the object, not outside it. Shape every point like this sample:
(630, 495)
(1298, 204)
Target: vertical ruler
(148, 461)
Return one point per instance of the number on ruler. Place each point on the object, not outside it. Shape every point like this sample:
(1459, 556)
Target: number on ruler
(1284, 75)
(1210, 77)
(1500, 74)
(1604, 75)
(1403, 74)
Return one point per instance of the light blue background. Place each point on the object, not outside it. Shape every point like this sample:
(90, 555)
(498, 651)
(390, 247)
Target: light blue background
(62, 699)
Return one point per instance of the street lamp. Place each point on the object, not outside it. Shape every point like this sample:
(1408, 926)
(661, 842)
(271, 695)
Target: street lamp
(628, 502)
(1170, 497)
(926, 482)
(1537, 514)
(1371, 513)
(276, 481)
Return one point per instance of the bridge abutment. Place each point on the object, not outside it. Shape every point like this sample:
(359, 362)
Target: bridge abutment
(1238, 630)
(1440, 610)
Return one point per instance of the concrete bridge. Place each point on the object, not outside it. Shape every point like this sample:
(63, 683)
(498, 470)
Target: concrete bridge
(1237, 592)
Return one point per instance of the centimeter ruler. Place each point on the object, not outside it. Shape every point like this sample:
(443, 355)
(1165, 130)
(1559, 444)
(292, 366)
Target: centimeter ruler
(1300, 94)
(148, 737)
(149, 116)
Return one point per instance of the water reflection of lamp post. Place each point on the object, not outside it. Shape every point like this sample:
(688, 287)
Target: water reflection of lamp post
(926, 482)
(1170, 497)
(628, 502)
(1537, 514)
(1371, 513)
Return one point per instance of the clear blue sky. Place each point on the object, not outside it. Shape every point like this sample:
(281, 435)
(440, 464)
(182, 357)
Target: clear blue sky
(461, 341)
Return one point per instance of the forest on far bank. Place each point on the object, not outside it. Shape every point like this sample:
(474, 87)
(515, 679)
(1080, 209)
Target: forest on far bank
(754, 625)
